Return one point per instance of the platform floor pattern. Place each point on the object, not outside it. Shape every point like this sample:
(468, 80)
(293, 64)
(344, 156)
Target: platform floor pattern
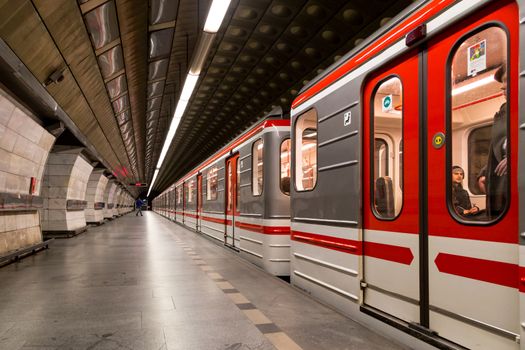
(148, 283)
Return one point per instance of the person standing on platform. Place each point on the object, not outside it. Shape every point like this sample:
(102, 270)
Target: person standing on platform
(138, 204)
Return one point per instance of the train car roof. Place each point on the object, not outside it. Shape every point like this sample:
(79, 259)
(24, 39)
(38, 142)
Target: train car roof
(276, 114)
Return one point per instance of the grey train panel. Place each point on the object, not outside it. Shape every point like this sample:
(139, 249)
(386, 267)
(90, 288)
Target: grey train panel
(339, 160)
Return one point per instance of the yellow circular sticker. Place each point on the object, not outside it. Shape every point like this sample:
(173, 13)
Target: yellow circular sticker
(439, 140)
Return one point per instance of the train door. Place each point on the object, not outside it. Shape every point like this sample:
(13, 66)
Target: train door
(440, 216)
(184, 199)
(231, 199)
(199, 202)
(472, 142)
(391, 191)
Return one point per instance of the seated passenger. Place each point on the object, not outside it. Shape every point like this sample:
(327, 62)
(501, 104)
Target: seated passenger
(460, 197)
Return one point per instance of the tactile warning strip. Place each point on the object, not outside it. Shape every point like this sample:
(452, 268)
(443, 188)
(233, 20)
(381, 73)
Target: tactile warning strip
(275, 335)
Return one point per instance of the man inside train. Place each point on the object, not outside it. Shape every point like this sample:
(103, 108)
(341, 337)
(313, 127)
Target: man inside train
(460, 197)
(492, 179)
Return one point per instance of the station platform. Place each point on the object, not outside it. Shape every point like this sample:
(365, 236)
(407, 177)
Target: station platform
(148, 283)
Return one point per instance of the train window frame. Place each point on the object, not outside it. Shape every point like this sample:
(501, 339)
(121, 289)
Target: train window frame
(281, 164)
(253, 168)
(372, 148)
(294, 150)
(448, 124)
(191, 196)
(216, 173)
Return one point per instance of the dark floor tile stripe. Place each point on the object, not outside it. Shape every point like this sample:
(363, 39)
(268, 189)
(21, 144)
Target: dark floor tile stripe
(230, 291)
(268, 328)
(247, 306)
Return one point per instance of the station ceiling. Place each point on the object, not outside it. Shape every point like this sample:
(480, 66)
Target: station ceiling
(116, 69)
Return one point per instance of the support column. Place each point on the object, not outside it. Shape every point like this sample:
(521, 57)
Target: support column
(24, 148)
(117, 201)
(123, 209)
(64, 191)
(109, 199)
(95, 197)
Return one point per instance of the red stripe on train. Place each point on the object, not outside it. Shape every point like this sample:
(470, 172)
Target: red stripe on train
(215, 220)
(267, 230)
(496, 272)
(401, 255)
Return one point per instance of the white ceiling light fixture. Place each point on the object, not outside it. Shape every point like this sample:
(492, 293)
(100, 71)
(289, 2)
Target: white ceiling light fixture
(474, 85)
(189, 86)
(153, 180)
(217, 12)
(213, 22)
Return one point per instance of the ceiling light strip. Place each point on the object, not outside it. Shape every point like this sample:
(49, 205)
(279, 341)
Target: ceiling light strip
(213, 22)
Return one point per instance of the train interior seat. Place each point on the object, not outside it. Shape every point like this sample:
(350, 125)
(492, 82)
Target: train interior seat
(384, 197)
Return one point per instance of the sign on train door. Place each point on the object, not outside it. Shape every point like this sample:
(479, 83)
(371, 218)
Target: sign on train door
(231, 199)
(199, 202)
(472, 180)
(440, 194)
(391, 191)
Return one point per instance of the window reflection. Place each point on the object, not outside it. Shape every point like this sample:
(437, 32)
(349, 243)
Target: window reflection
(306, 151)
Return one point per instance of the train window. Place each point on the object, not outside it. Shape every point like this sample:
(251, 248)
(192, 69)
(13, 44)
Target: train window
(190, 191)
(179, 195)
(211, 184)
(306, 151)
(381, 158)
(238, 186)
(230, 183)
(285, 166)
(257, 167)
(387, 118)
(477, 96)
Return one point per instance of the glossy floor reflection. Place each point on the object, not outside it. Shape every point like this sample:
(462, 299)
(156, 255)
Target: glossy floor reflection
(147, 283)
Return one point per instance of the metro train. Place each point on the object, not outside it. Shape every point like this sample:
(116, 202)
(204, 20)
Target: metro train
(240, 195)
(407, 191)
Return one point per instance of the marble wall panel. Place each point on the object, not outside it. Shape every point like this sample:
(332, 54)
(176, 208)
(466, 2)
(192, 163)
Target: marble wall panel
(24, 149)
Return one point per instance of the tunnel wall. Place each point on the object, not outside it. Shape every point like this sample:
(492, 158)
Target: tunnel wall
(64, 190)
(109, 199)
(96, 188)
(24, 149)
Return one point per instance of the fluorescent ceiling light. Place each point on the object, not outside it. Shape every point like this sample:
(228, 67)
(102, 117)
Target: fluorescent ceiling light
(153, 181)
(189, 85)
(218, 9)
(472, 86)
(214, 20)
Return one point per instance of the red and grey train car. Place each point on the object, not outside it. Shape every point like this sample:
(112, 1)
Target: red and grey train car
(407, 192)
(407, 201)
(240, 195)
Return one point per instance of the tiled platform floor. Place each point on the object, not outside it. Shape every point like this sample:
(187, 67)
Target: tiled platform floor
(148, 283)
